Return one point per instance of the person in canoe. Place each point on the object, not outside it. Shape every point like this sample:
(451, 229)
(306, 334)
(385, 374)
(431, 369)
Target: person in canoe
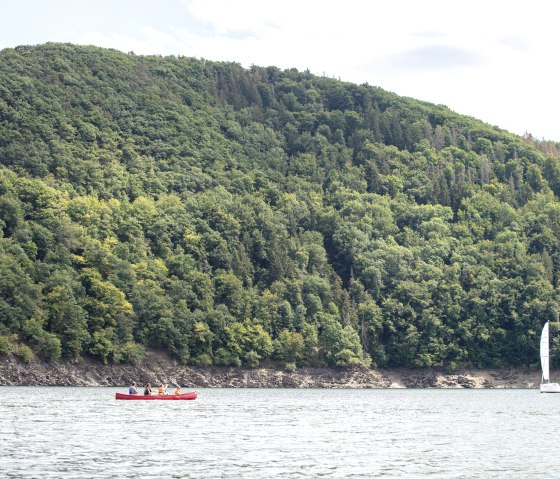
(132, 389)
(148, 390)
(161, 390)
(177, 389)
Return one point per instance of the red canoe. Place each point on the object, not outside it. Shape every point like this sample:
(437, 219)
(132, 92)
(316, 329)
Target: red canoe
(168, 397)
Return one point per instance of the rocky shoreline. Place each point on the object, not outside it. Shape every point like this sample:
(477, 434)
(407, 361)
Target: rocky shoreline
(162, 370)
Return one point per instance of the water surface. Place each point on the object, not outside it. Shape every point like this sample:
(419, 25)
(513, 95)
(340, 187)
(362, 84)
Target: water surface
(53, 432)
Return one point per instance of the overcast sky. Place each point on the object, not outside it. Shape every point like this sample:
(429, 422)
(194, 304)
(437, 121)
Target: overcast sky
(496, 60)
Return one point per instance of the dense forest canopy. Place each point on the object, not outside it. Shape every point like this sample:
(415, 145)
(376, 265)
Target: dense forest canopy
(260, 216)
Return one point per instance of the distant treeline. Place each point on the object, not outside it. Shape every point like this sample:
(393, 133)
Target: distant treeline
(263, 216)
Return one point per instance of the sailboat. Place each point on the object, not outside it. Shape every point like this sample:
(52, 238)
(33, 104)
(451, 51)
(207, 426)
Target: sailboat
(546, 385)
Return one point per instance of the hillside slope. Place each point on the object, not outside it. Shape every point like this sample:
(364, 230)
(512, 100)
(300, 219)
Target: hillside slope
(244, 217)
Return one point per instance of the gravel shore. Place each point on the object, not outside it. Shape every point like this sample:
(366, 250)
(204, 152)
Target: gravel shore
(158, 369)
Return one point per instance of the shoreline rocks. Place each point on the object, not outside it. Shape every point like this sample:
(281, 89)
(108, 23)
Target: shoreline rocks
(159, 369)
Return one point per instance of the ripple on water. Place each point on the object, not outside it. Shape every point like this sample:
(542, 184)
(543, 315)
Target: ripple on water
(84, 432)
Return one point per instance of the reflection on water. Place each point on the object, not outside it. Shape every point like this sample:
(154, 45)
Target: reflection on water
(288, 433)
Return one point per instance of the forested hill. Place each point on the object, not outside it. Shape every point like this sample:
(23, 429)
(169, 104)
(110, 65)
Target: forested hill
(263, 216)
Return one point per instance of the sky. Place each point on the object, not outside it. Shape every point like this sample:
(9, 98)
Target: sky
(496, 60)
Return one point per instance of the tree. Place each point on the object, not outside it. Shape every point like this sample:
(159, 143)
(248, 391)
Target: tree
(340, 345)
(289, 346)
(249, 342)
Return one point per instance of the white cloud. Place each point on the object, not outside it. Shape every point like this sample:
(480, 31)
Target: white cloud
(230, 17)
(149, 41)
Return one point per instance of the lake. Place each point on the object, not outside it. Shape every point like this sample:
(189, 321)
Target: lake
(51, 432)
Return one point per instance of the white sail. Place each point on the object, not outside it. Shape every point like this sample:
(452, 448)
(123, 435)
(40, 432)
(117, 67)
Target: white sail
(544, 352)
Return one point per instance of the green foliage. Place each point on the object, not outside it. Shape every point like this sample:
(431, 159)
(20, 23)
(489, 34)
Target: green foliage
(341, 344)
(132, 353)
(289, 346)
(202, 360)
(50, 346)
(101, 345)
(6, 345)
(249, 342)
(225, 357)
(290, 367)
(238, 217)
(24, 352)
(310, 343)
